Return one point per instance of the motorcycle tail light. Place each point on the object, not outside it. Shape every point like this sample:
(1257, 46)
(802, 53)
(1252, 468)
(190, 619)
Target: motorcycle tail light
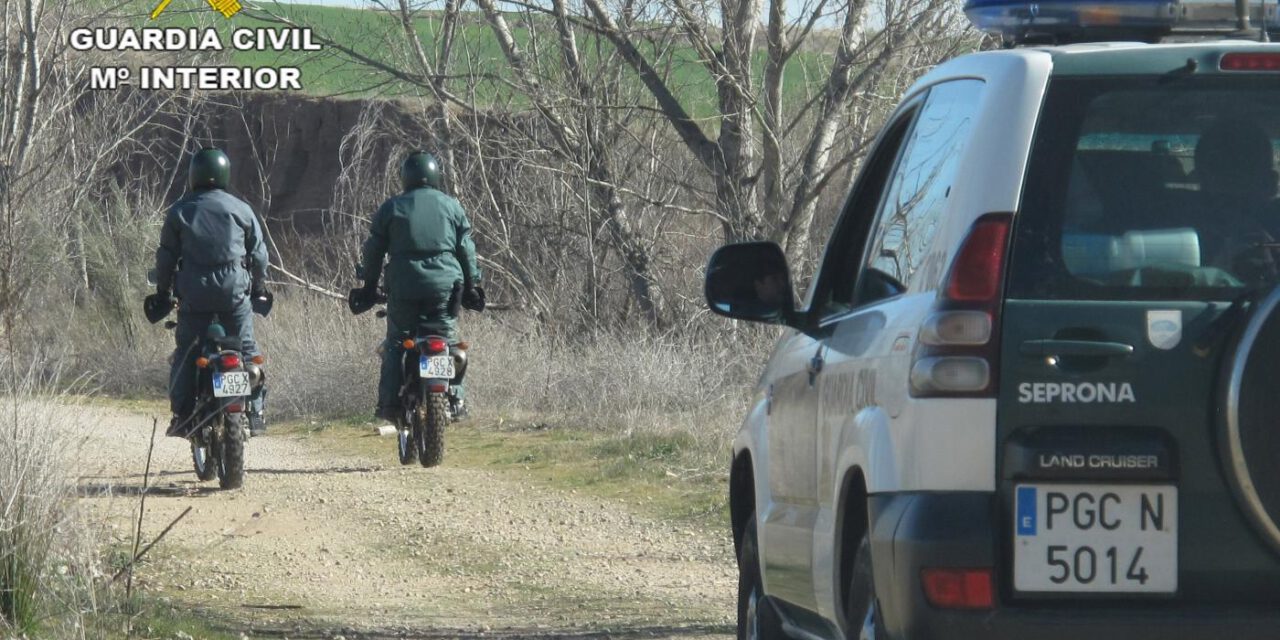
(438, 387)
(230, 361)
(235, 407)
(202, 362)
(436, 345)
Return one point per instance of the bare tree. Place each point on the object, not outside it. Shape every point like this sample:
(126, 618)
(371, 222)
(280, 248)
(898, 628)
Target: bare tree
(568, 121)
(776, 152)
(64, 151)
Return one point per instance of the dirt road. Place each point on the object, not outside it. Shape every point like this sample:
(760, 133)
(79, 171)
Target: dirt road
(321, 543)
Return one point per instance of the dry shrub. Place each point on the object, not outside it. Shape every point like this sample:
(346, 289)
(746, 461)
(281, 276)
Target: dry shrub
(321, 360)
(49, 577)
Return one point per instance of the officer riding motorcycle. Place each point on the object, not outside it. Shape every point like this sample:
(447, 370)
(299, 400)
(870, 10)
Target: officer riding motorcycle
(213, 258)
(425, 237)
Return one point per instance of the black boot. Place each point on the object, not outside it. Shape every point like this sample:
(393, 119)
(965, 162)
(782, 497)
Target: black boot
(458, 407)
(179, 427)
(257, 425)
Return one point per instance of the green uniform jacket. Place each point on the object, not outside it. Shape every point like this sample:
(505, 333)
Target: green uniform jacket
(426, 238)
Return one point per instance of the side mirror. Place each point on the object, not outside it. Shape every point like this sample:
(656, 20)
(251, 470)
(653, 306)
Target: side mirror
(750, 281)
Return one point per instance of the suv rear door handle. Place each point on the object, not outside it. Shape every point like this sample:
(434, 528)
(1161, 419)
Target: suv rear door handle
(1087, 348)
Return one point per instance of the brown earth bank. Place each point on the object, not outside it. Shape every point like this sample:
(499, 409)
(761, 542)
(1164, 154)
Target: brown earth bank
(286, 149)
(322, 542)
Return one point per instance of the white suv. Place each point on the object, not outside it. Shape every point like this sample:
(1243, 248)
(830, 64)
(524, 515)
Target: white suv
(1031, 392)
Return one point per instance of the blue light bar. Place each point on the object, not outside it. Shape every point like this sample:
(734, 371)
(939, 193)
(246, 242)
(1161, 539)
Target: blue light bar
(1024, 21)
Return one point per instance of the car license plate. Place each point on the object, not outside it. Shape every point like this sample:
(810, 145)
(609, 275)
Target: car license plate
(436, 367)
(1095, 538)
(230, 384)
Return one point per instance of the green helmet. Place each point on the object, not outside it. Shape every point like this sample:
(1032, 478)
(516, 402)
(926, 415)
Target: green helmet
(210, 169)
(421, 169)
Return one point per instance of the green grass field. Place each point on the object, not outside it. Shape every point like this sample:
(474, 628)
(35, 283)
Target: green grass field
(378, 36)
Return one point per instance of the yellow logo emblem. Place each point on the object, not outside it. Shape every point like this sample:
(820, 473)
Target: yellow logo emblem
(227, 8)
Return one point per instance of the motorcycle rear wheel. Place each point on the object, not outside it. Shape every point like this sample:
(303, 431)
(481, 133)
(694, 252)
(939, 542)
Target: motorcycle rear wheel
(230, 441)
(429, 420)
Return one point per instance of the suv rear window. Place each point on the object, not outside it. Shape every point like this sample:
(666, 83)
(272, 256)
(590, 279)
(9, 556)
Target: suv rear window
(1151, 188)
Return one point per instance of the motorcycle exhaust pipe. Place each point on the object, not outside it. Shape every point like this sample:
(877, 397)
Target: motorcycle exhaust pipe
(256, 375)
(459, 352)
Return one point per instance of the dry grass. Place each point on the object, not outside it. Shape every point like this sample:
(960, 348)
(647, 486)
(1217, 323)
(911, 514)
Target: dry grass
(49, 571)
(322, 363)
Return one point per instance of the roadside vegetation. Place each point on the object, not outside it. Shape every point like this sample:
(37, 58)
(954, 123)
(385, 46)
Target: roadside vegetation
(51, 580)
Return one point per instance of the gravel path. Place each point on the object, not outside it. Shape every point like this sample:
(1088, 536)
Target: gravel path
(320, 543)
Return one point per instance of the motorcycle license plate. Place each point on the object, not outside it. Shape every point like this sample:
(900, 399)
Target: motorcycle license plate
(436, 366)
(230, 384)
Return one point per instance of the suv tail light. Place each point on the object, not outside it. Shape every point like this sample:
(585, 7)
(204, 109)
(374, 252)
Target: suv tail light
(1250, 61)
(957, 352)
(958, 588)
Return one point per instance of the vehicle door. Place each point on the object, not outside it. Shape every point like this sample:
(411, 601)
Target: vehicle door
(794, 451)
(792, 402)
(898, 273)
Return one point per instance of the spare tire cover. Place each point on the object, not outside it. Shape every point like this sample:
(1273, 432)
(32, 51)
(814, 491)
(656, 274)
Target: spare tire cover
(1250, 438)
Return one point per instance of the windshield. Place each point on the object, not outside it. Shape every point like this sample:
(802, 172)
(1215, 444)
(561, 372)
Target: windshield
(1151, 188)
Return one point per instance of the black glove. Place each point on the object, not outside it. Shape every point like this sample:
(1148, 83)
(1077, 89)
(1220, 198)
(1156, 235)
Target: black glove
(362, 299)
(473, 298)
(261, 300)
(157, 306)
(455, 299)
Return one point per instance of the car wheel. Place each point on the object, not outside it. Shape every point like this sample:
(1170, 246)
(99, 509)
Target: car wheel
(861, 608)
(757, 619)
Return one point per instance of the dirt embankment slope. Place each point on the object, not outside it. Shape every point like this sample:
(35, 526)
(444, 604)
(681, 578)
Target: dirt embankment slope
(322, 543)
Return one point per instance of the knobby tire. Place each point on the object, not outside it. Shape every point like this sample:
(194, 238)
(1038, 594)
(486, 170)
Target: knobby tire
(231, 460)
(432, 416)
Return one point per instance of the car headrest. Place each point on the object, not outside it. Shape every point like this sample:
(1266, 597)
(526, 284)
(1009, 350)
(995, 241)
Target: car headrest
(1097, 254)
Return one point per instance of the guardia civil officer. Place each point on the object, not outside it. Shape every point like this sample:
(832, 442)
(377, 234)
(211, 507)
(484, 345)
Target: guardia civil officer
(213, 259)
(425, 237)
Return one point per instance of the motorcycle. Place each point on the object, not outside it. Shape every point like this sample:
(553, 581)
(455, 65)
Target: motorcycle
(226, 378)
(433, 371)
